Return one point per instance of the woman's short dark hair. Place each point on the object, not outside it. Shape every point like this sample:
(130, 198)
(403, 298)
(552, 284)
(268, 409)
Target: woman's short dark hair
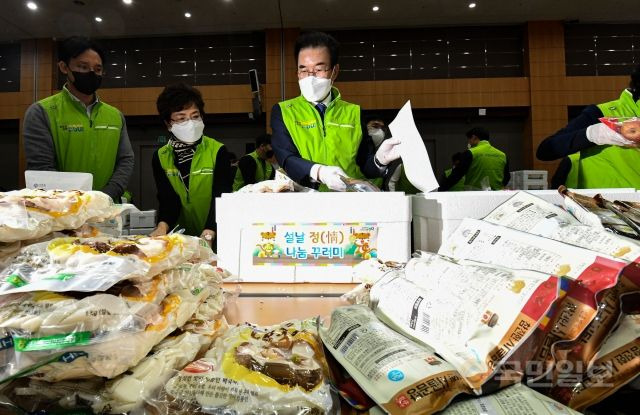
(263, 139)
(74, 46)
(176, 97)
(318, 40)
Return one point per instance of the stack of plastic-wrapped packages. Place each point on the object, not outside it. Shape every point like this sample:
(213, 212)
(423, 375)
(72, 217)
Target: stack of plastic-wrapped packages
(91, 321)
(533, 295)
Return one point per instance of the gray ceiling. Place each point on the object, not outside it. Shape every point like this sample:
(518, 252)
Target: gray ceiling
(60, 18)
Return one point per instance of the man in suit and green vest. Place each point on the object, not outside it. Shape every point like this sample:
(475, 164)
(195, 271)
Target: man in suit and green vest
(600, 157)
(256, 166)
(318, 138)
(482, 165)
(73, 131)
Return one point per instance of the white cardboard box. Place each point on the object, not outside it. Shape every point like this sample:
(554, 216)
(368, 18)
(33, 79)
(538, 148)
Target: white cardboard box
(243, 217)
(437, 215)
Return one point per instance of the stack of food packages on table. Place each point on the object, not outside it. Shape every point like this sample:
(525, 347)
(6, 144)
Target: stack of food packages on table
(532, 310)
(96, 321)
(530, 295)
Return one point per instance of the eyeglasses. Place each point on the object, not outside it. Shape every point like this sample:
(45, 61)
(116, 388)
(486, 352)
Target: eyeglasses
(320, 70)
(181, 119)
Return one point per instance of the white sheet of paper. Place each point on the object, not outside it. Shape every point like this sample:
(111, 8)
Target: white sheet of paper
(415, 158)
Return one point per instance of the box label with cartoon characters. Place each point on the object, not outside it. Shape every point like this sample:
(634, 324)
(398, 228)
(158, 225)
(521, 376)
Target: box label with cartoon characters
(314, 244)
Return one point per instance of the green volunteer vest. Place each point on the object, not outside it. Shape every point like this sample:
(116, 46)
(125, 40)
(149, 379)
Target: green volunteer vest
(262, 173)
(489, 162)
(84, 143)
(611, 166)
(459, 186)
(196, 201)
(574, 173)
(334, 142)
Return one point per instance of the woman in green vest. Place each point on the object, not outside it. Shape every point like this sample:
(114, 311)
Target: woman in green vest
(256, 166)
(604, 158)
(191, 170)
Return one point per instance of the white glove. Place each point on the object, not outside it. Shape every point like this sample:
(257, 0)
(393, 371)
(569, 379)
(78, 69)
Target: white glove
(389, 151)
(330, 175)
(601, 134)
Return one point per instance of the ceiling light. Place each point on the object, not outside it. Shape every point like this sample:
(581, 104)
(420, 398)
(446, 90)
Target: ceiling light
(32, 6)
(375, 8)
(187, 15)
(472, 5)
(127, 1)
(98, 19)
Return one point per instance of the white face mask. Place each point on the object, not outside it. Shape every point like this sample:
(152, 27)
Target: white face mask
(189, 131)
(315, 89)
(377, 136)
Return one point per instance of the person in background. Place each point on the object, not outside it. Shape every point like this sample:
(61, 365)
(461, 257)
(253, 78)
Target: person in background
(605, 158)
(378, 131)
(73, 130)
(318, 137)
(455, 162)
(191, 170)
(256, 166)
(482, 165)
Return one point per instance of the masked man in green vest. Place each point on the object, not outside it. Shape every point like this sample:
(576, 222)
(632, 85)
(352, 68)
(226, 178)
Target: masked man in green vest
(256, 166)
(73, 131)
(482, 165)
(191, 170)
(600, 157)
(318, 137)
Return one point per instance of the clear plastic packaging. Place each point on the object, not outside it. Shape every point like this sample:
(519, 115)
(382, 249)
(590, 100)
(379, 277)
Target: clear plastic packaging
(628, 127)
(96, 264)
(279, 369)
(33, 213)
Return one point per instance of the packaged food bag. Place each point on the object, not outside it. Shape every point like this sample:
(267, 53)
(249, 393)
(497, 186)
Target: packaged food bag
(528, 213)
(106, 353)
(584, 274)
(518, 397)
(278, 369)
(400, 375)
(33, 213)
(601, 213)
(474, 316)
(628, 127)
(96, 264)
(616, 364)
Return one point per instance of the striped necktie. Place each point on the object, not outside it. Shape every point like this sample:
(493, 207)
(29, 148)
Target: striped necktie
(321, 109)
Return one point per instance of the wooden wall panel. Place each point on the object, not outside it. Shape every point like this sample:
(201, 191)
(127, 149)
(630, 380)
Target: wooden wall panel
(545, 89)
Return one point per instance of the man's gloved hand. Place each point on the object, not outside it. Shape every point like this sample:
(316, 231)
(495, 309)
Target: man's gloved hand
(388, 151)
(601, 134)
(330, 175)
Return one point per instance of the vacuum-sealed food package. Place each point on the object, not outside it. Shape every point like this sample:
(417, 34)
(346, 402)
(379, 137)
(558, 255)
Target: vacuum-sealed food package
(359, 185)
(33, 213)
(400, 375)
(598, 212)
(43, 313)
(516, 399)
(106, 353)
(278, 369)
(628, 127)
(616, 364)
(474, 316)
(96, 264)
